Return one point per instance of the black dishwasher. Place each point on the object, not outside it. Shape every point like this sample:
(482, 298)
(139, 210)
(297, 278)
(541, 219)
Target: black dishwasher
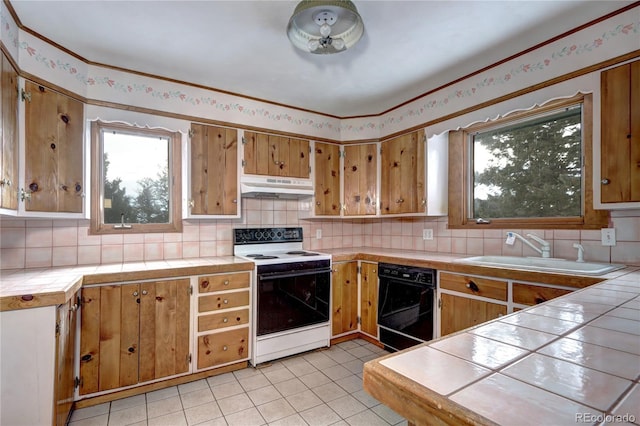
(405, 305)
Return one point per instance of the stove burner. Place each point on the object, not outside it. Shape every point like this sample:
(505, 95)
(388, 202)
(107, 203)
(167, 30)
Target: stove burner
(261, 256)
(303, 253)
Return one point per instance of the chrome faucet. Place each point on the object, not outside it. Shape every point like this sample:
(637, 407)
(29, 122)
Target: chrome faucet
(545, 247)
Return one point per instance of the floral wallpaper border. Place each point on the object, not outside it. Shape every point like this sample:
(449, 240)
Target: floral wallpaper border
(412, 113)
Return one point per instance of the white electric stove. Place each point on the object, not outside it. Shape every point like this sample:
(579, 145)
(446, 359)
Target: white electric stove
(291, 292)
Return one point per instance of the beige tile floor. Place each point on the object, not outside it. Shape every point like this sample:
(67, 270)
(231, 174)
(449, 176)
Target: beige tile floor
(317, 388)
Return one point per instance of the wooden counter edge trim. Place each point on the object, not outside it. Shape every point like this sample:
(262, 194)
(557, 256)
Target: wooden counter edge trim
(53, 298)
(114, 277)
(577, 281)
(419, 405)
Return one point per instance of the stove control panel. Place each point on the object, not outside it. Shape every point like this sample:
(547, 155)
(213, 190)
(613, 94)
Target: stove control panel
(267, 235)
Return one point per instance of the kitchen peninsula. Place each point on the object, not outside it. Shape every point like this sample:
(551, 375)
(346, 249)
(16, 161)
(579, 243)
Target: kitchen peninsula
(572, 360)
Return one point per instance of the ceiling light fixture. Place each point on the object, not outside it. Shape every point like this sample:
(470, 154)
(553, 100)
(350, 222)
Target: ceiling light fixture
(325, 26)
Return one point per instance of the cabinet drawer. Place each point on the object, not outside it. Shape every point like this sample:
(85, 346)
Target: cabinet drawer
(528, 294)
(223, 282)
(216, 302)
(223, 319)
(484, 287)
(221, 348)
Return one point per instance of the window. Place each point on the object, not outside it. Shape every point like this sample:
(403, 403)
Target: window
(530, 169)
(136, 179)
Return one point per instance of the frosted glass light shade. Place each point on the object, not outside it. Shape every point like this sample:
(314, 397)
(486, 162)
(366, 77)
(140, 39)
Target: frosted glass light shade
(327, 22)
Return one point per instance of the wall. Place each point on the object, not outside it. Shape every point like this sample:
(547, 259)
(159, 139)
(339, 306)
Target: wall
(43, 243)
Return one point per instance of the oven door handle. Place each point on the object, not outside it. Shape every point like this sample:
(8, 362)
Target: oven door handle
(273, 275)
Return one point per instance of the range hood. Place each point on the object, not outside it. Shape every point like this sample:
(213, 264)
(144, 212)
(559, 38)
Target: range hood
(275, 187)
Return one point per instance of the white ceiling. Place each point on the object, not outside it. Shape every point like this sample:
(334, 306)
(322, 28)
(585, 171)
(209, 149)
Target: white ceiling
(409, 47)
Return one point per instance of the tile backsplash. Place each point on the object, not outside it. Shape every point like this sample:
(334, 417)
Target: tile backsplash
(33, 243)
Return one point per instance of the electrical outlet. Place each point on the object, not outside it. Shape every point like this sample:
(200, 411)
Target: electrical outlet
(427, 234)
(608, 236)
(319, 234)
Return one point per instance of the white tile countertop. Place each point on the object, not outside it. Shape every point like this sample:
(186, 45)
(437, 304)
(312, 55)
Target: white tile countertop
(572, 360)
(27, 288)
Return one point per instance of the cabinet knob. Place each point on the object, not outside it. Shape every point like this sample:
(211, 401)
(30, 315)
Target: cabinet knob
(226, 282)
(135, 293)
(235, 201)
(605, 181)
(225, 320)
(225, 301)
(317, 203)
(472, 286)
(225, 348)
(74, 307)
(145, 292)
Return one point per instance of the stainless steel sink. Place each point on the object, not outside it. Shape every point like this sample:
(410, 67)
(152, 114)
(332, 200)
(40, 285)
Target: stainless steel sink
(543, 264)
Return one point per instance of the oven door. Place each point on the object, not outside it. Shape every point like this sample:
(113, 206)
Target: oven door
(406, 307)
(293, 296)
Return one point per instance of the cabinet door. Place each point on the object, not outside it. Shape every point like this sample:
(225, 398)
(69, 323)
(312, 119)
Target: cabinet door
(132, 333)
(109, 337)
(327, 182)
(53, 151)
(9, 134)
(64, 374)
(369, 298)
(360, 179)
(164, 329)
(620, 141)
(272, 155)
(344, 286)
(256, 153)
(402, 186)
(458, 313)
(214, 170)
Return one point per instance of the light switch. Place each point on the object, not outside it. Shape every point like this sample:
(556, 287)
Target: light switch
(608, 236)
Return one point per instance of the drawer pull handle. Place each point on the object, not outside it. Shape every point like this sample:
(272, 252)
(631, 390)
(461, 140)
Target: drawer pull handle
(473, 286)
(225, 320)
(224, 348)
(226, 282)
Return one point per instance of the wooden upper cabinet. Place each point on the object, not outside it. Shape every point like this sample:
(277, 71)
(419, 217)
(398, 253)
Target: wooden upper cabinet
(214, 170)
(9, 133)
(620, 141)
(272, 155)
(54, 151)
(327, 179)
(360, 179)
(402, 186)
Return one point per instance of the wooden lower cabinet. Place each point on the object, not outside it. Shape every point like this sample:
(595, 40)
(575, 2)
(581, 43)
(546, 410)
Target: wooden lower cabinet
(221, 348)
(459, 312)
(133, 333)
(344, 287)
(65, 360)
(530, 294)
(223, 316)
(369, 298)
